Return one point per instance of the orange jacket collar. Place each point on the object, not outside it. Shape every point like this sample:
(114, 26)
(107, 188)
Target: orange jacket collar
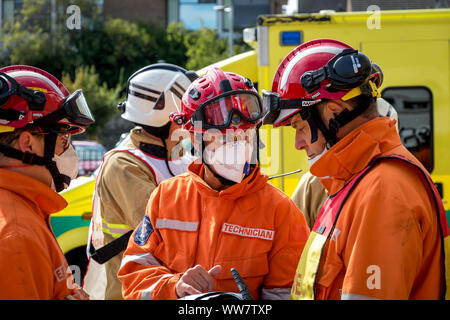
(45, 199)
(354, 152)
(254, 182)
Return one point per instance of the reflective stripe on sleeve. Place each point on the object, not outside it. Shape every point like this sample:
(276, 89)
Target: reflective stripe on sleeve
(147, 293)
(145, 259)
(353, 296)
(276, 294)
(176, 225)
(114, 229)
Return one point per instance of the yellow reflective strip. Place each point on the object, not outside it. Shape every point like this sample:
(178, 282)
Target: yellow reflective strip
(447, 265)
(115, 235)
(116, 225)
(303, 287)
(38, 89)
(296, 292)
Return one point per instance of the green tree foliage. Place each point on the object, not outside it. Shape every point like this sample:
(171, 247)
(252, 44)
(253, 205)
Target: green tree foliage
(103, 53)
(101, 99)
(201, 47)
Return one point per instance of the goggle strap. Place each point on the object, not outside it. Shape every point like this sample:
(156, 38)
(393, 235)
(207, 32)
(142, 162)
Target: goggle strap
(297, 103)
(11, 114)
(51, 118)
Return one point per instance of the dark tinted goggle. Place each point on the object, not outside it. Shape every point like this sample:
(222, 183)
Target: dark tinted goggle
(219, 112)
(74, 108)
(273, 104)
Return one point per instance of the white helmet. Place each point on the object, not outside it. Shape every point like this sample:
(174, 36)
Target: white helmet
(154, 92)
(385, 109)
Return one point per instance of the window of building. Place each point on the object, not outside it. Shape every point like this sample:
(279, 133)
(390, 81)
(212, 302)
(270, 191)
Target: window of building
(414, 106)
(246, 12)
(7, 10)
(195, 14)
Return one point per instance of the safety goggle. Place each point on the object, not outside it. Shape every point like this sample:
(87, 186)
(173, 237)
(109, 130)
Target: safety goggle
(222, 111)
(74, 108)
(273, 105)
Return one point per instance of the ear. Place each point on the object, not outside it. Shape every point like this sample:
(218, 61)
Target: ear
(26, 142)
(334, 108)
(330, 109)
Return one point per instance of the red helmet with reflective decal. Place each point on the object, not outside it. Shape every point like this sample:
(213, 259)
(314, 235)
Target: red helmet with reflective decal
(29, 93)
(322, 69)
(219, 100)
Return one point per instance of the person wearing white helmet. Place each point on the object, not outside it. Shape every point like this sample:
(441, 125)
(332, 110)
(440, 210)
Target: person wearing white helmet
(130, 172)
(309, 195)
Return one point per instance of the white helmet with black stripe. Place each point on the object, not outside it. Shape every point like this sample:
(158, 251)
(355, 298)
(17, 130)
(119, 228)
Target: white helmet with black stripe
(154, 92)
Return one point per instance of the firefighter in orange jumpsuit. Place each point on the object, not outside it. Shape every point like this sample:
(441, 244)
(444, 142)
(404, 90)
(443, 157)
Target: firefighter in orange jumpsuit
(382, 233)
(37, 118)
(222, 214)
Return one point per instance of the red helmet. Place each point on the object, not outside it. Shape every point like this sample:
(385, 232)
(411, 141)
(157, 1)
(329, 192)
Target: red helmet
(219, 100)
(31, 95)
(316, 70)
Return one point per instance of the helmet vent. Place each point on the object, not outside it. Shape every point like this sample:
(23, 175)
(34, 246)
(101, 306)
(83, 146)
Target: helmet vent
(225, 86)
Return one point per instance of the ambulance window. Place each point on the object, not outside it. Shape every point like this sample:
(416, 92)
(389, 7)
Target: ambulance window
(414, 106)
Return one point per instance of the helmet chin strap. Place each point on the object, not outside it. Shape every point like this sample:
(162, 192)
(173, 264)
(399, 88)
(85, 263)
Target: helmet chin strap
(312, 116)
(316, 123)
(49, 152)
(46, 161)
(162, 133)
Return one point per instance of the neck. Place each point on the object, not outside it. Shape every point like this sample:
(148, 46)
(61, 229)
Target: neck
(36, 172)
(212, 181)
(352, 125)
(170, 144)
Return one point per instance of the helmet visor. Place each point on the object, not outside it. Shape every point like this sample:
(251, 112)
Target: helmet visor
(77, 109)
(218, 112)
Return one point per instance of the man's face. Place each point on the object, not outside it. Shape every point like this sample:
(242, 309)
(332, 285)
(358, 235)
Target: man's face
(34, 142)
(303, 137)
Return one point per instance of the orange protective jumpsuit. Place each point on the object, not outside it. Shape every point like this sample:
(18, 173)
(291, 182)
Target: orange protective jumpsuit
(32, 265)
(386, 242)
(251, 226)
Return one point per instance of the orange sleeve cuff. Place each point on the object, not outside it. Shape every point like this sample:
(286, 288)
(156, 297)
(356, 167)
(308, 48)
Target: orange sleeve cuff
(166, 288)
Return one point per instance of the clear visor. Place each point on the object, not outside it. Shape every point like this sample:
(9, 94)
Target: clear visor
(217, 112)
